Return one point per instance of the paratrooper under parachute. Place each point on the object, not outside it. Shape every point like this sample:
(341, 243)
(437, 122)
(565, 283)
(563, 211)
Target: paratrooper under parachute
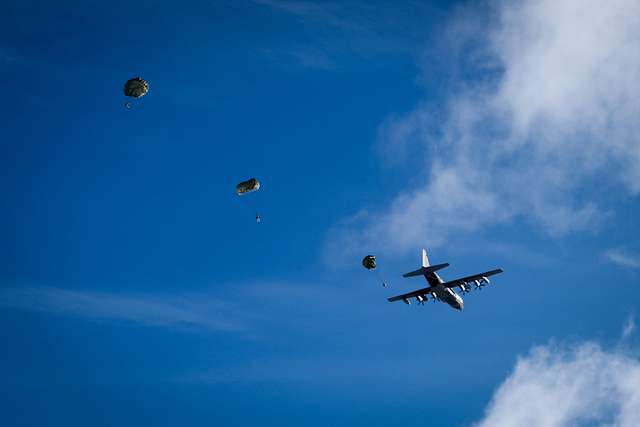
(249, 186)
(135, 88)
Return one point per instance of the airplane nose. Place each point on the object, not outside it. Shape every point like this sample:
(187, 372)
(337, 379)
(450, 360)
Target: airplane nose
(460, 305)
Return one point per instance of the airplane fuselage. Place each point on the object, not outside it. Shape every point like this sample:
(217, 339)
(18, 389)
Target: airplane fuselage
(443, 293)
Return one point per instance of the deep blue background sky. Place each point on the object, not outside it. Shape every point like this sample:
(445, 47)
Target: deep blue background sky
(120, 206)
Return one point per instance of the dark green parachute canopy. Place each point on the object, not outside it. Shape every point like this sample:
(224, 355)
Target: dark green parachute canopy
(369, 262)
(247, 186)
(136, 87)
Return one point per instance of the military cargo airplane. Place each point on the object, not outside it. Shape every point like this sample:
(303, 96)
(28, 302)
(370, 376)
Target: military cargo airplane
(438, 289)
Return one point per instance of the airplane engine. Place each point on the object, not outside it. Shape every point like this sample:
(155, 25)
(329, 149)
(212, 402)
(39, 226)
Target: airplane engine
(420, 299)
(477, 283)
(485, 280)
(406, 301)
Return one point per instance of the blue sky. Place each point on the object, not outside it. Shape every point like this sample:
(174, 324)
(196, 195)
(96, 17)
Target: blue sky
(137, 288)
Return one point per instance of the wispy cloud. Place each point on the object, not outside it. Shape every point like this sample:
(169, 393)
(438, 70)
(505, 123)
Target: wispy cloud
(545, 111)
(623, 258)
(326, 12)
(230, 309)
(562, 386)
(337, 32)
(304, 57)
(317, 370)
(629, 327)
(166, 312)
(7, 57)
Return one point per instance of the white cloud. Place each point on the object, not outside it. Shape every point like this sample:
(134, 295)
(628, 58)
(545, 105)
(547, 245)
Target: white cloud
(174, 312)
(623, 258)
(552, 113)
(576, 386)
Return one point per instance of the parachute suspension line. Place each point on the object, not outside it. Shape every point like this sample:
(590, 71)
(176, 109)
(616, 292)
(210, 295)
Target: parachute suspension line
(369, 262)
(253, 204)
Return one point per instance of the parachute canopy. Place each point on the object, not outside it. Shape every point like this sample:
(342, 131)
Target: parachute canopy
(369, 262)
(247, 186)
(136, 87)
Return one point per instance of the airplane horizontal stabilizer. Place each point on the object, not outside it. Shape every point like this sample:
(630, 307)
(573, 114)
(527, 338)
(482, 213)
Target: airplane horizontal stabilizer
(423, 271)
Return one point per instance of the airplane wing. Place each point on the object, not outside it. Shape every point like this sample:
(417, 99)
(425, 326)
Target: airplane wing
(468, 279)
(452, 284)
(413, 294)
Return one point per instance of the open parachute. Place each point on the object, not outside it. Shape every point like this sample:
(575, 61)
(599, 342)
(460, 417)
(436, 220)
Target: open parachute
(136, 88)
(369, 262)
(248, 186)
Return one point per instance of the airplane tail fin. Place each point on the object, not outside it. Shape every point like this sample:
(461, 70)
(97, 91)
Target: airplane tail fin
(426, 267)
(425, 258)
